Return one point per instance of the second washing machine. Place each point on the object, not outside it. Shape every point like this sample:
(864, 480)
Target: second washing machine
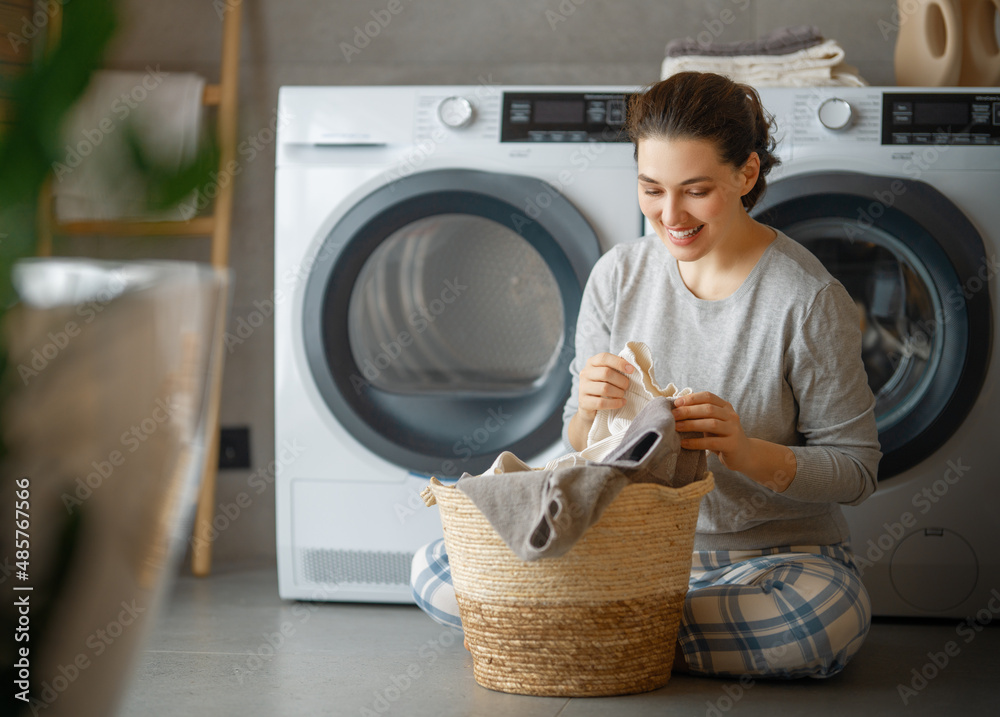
(895, 190)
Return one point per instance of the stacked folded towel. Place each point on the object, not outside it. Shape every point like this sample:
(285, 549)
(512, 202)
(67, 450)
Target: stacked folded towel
(788, 57)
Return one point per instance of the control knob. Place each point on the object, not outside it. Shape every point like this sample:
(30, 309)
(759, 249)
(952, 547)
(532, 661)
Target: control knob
(836, 114)
(455, 112)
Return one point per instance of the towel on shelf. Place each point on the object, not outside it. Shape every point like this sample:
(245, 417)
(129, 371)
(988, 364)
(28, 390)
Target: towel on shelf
(96, 178)
(543, 513)
(819, 65)
(780, 42)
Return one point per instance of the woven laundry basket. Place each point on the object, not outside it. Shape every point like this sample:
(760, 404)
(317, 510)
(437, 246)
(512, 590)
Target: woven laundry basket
(600, 620)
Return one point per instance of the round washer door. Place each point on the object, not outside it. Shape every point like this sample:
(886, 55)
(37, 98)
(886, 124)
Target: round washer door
(914, 265)
(439, 318)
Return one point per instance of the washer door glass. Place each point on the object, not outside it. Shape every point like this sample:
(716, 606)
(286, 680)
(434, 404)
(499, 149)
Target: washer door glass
(457, 303)
(438, 318)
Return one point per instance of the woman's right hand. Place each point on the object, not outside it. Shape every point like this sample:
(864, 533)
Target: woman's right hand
(603, 381)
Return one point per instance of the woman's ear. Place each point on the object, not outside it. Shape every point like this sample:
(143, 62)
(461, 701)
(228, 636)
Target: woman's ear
(749, 173)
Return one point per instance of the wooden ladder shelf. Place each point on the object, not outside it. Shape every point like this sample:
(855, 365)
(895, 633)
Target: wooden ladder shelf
(224, 95)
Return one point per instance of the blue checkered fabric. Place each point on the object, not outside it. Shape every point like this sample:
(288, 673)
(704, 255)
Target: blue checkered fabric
(431, 586)
(797, 611)
(781, 612)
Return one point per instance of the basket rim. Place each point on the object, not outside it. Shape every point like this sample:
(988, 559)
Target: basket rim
(696, 489)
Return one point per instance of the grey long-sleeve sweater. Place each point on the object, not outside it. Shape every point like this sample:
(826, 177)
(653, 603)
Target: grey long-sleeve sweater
(784, 350)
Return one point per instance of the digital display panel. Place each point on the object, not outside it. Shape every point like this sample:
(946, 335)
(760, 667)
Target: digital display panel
(558, 111)
(952, 118)
(564, 117)
(941, 113)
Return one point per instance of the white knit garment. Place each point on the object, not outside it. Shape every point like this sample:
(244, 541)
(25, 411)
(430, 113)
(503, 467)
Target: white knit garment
(610, 424)
(821, 64)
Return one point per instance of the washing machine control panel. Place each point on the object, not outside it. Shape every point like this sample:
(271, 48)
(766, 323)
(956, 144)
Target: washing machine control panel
(952, 118)
(563, 117)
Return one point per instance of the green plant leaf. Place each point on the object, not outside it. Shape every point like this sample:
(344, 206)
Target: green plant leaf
(40, 99)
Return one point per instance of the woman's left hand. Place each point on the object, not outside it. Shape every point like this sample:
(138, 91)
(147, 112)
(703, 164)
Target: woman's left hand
(718, 420)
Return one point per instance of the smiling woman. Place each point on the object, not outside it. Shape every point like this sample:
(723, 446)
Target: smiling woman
(770, 342)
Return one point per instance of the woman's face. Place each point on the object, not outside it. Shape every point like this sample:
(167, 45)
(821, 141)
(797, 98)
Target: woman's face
(692, 198)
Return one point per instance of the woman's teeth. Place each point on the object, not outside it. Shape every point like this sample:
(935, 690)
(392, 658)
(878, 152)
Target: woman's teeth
(686, 234)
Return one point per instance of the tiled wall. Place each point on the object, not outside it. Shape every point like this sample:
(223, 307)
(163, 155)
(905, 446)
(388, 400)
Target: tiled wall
(424, 42)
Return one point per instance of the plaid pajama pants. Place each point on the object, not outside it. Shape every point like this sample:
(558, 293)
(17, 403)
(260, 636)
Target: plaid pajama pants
(798, 611)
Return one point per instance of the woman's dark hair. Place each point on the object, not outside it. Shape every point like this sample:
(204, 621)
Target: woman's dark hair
(703, 105)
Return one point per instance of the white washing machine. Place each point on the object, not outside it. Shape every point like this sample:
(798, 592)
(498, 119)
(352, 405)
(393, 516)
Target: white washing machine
(431, 248)
(897, 190)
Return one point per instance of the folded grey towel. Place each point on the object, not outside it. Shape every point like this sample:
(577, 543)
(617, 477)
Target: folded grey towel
(541, 514)
(779, 42)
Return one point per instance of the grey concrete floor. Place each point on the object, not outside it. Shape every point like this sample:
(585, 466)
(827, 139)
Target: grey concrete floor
(228, 645)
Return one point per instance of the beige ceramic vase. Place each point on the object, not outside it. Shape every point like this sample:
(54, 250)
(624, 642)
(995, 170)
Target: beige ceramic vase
(981, 53)
(929, 46)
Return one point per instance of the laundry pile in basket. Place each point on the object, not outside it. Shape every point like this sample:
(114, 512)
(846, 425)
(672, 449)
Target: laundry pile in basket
(795, 56)
(601, 618)
(542, 513)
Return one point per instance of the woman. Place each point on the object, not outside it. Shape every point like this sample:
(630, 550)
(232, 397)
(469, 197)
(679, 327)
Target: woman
(770, 343)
